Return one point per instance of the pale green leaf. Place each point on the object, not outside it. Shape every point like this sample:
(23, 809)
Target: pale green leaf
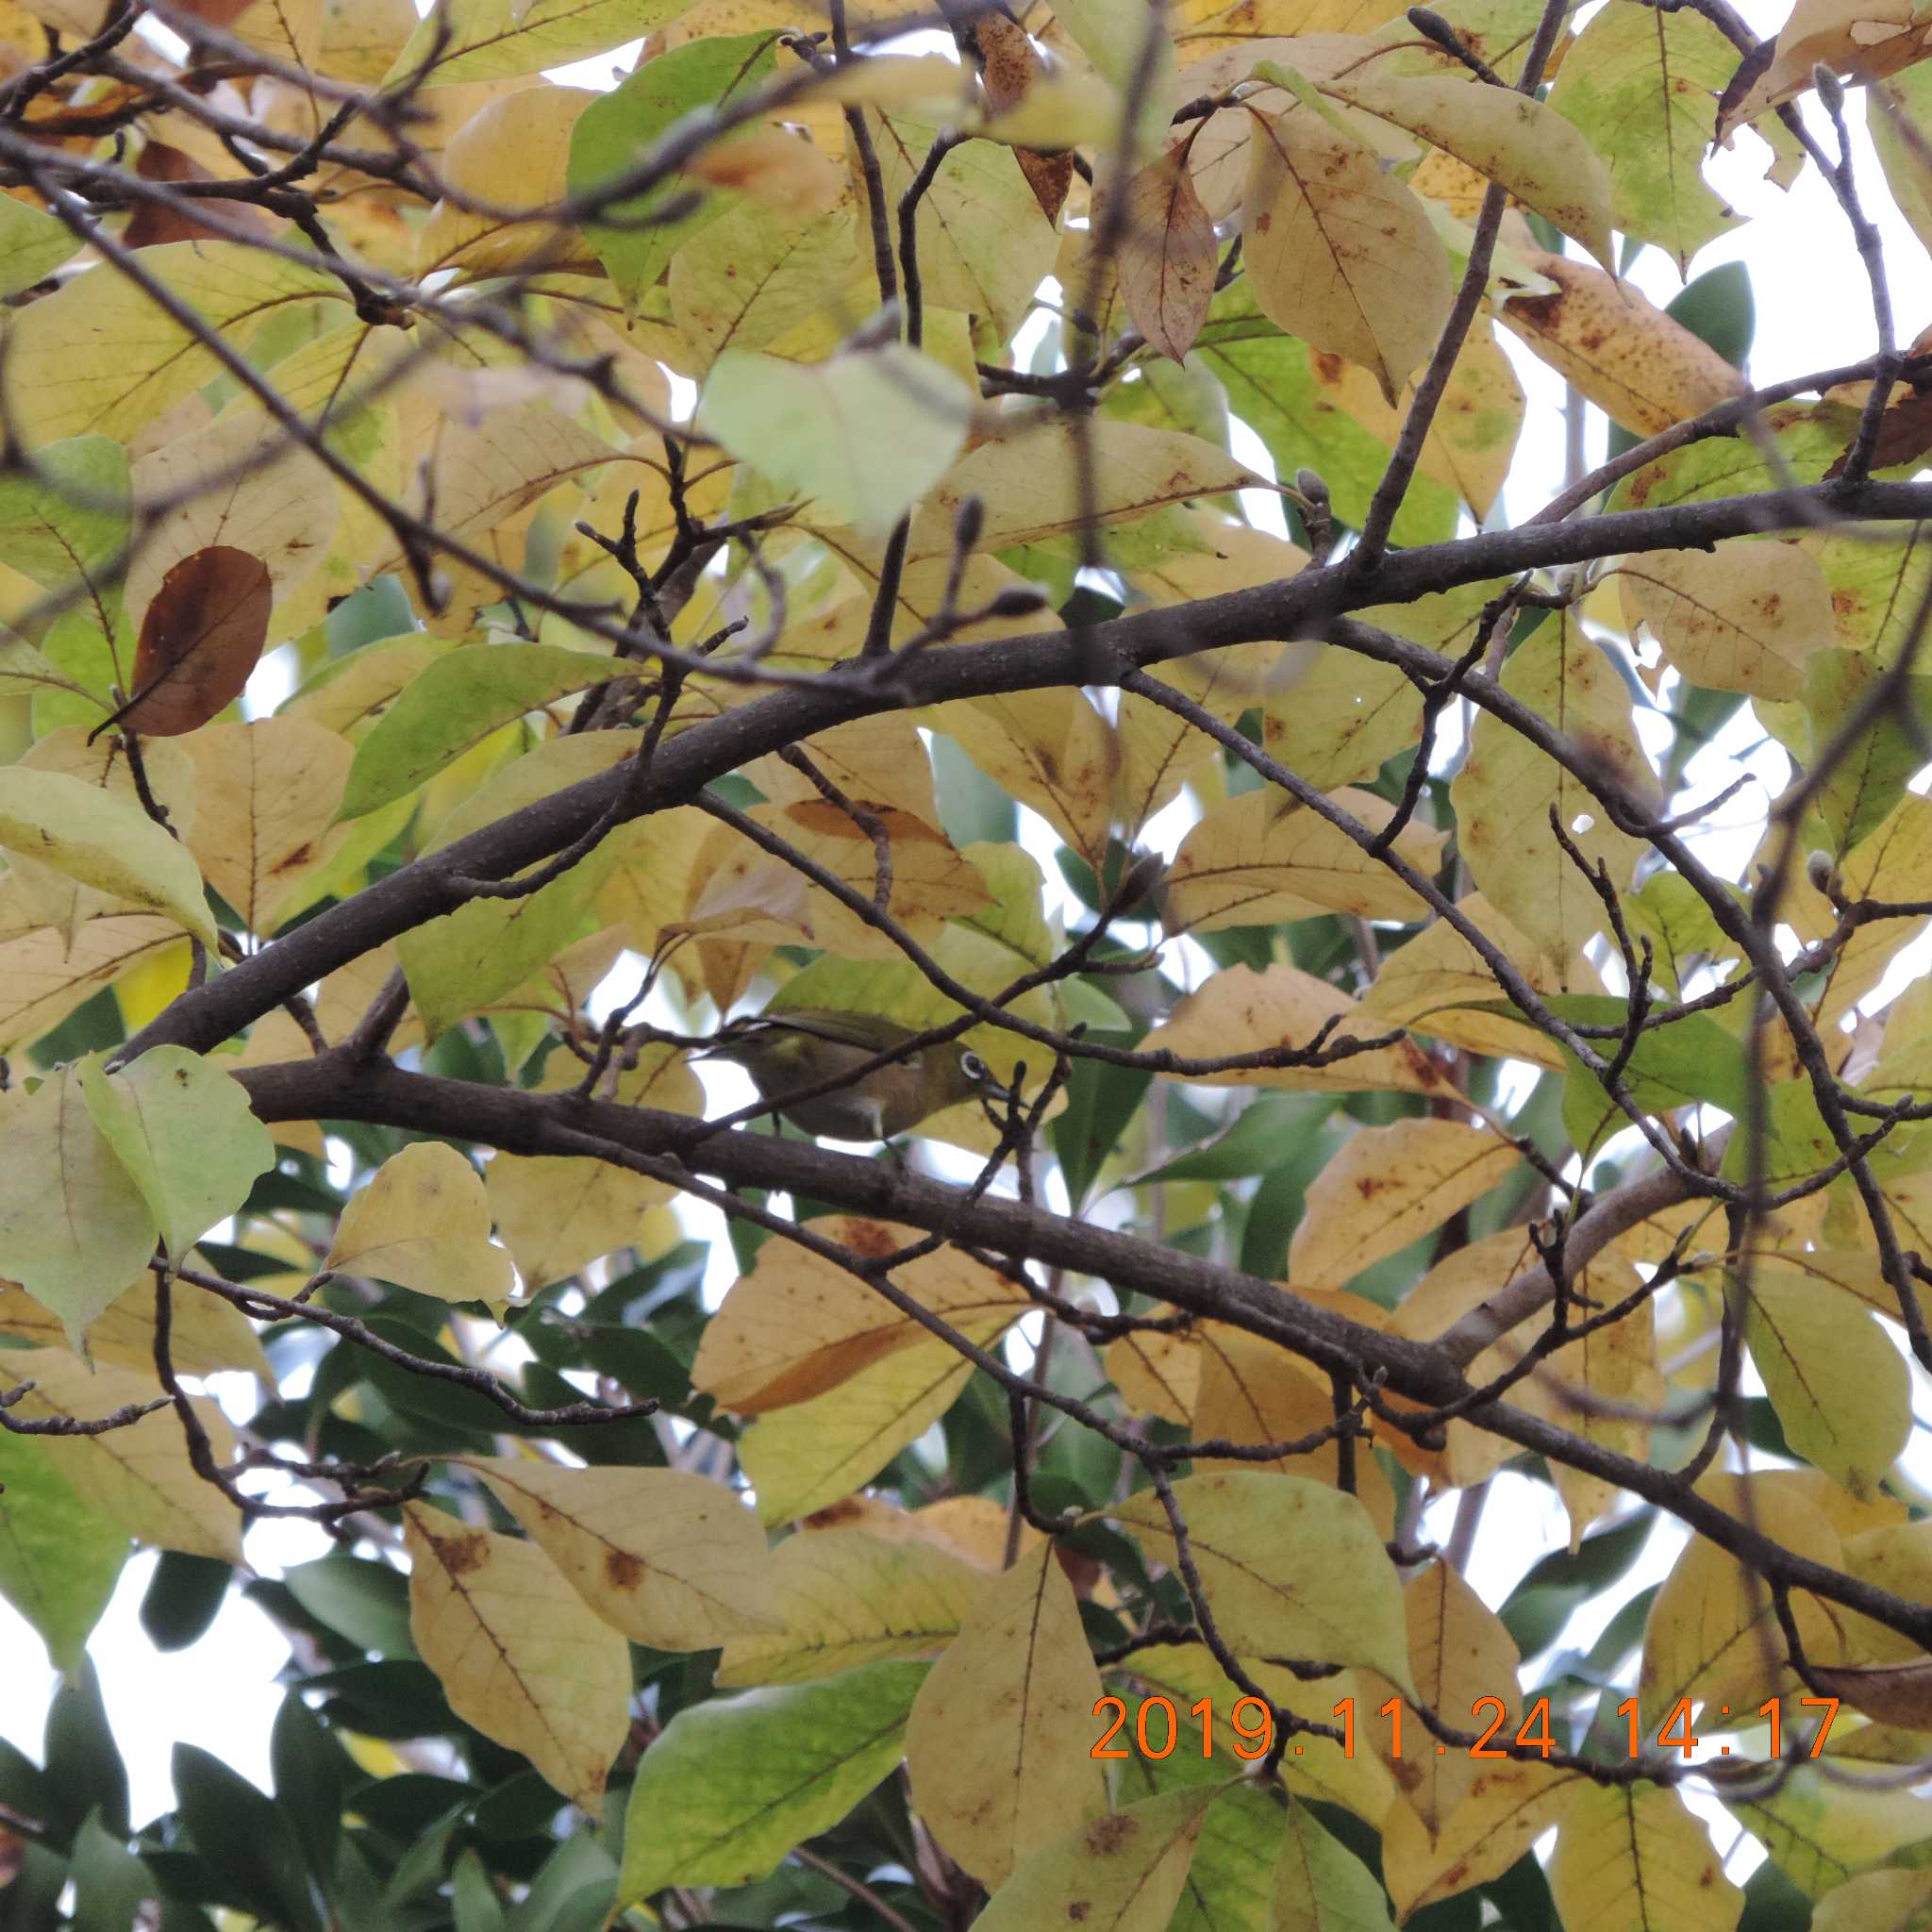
(184, 1131)
(864, 435)
(731, 1786)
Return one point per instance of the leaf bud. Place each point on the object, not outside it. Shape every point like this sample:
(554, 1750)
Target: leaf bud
(1017, 600)
(968, 524)
(1820, 870)
(1831, 89)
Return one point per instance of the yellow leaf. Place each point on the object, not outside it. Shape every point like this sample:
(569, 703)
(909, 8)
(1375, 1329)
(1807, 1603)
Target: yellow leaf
(1025, 476)
(1820, 1827)
(1287, 1566)
(1643, 368)
(806, 1457)
(556, 1212)
(1864, 39)
(1897, 1900)
(98, 355)
(1338, 251)
(796, 1325)
(1507, 1808)
(424, 1223)
(1250, 1392)
(1600, 1387)
(1505, 792)
(997, 1746)
(1423, 984)
(1121, 1872)
(1743, 617)
(873, 761)
(1630, 1857)
(1471, 442)
(98, 839)
(206, 1334)
(140, 1476)
(268, 793)
(520, 1655)
(44, 974)
(674, 1560)
(1155, 1374)
(1388, 1186)
(1711, 1633)
(983, 243)
(513, 155)
(1360, 1783)
(1511, 138)
(737, 890)
(1460, 1653)
(1051, 750)
(1896, 1557)
(845, 1597)
(1261, 858)
(1242, 1010)
(239, 483)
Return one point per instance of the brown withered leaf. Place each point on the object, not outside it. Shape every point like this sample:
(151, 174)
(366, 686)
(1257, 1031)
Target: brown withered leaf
(1167, 261)
(1008, 66)
(154, 222)
(200, 638)
(1904, 434)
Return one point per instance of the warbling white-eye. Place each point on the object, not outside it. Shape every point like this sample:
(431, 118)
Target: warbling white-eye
(783, 1052)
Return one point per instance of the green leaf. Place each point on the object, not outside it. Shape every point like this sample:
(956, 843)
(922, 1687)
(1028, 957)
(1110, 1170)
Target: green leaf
(1542, 1603)
(74, 1230)
(109, 1882)
(186, 1134)
(617, 130)
(864, 435)
(1264, 1136)
(1643, 89)
(59, 1560)
(367, 1601)
(455, 702)
(1871, 778)
(102, 840)
(32, 246)
(1271, 386)
(733, 1785)
(69, 514)
(183, 1598)
(247, 1837)
(85, 1774)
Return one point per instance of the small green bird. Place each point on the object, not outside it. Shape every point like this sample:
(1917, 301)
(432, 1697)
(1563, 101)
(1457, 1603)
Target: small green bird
(783, 1052)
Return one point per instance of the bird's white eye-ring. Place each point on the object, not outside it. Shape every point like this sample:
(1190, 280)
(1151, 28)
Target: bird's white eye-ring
(974, 1067)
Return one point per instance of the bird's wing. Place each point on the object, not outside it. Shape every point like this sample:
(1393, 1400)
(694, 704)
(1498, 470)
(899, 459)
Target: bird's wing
(828, 1023)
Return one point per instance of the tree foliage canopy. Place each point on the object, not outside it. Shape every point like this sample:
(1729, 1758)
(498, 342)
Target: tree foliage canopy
(503, 583)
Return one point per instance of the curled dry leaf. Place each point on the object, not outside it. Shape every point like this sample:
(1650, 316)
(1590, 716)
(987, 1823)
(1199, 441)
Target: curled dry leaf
(201, 637)
(1167, 260)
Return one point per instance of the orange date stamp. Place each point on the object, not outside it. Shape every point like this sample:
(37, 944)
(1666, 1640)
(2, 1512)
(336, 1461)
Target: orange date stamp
(1252, 1724)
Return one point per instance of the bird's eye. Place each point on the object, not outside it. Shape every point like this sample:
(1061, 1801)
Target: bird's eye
(973, 1066)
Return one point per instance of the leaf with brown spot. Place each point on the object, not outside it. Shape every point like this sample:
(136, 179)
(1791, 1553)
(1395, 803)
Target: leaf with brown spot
(1643, 369)
(519, 1656)
(1904, 434)
(200, 640)
(674, 1560)
(997, 1748)
(1167, 261)
(1123, 1872)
